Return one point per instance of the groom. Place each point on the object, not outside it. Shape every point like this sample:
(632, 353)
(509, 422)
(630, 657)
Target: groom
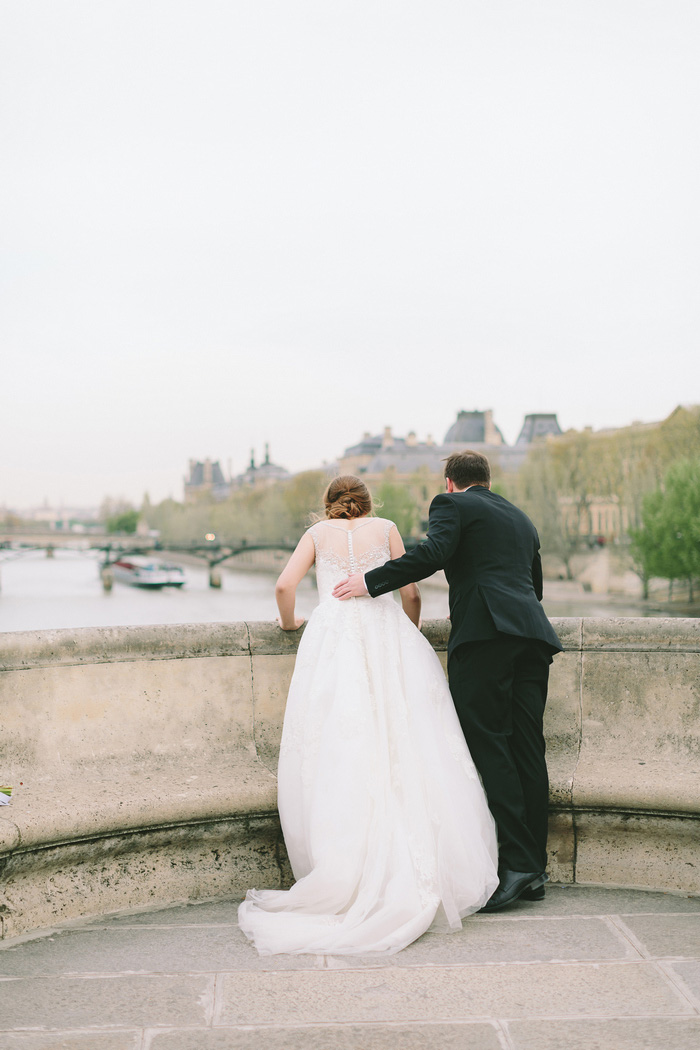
(498, 655)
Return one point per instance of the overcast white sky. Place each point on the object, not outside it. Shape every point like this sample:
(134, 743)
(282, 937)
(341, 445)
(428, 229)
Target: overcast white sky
(225, 223)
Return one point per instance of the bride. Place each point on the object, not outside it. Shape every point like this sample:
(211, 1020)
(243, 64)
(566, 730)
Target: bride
(384, 817)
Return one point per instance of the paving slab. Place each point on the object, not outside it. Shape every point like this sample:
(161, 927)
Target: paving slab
(487, 939)
(71, 1040)
(181, 949)
(188, 913)
(191, 948)
(689, 973)
(447, 993)
(125, 1001)
(333, 1037)
(590, 968)
(560, 900)
(671, 936)
(603, 900)
(663, 1033)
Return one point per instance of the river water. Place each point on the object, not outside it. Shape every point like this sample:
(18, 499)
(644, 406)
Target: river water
(40, 593)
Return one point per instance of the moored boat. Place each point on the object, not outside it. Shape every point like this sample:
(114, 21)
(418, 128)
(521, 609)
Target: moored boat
(144, 572)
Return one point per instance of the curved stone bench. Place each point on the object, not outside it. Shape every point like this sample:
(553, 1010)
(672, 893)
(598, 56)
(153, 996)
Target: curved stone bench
(143, 761)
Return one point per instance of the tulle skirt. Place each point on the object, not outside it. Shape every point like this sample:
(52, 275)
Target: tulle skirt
(384, 816)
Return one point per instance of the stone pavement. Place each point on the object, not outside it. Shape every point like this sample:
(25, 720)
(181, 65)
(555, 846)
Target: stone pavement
(587, 969)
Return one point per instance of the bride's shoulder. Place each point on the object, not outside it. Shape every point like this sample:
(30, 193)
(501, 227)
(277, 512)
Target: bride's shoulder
(386, 524)
(314, 531)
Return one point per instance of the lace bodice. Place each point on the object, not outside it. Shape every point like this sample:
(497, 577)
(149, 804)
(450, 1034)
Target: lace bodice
(342, 549)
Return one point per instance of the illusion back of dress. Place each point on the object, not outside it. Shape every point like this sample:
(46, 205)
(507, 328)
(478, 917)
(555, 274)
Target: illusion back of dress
(343, 549)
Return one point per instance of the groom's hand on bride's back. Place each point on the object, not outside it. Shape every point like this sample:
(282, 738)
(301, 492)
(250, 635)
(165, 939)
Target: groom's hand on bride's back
(351, 587)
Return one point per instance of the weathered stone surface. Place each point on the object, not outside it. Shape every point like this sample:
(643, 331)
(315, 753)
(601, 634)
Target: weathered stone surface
(447, 994)
(271, 678)
(575, 900)
(518, 936)
(561, 846)
(618, 634)
(570, 632)
(90, 645)
(670, 936)
(562, 723)
(437, 632)
(141, 949)
(127, 1001)
(350, 1037)
(436, 993)
(66, 722)
(268, 639)
(641, 731)
(89, 1040)
(689, 974)
(635, 849)
(117, 733)
(190, 861)
(647, 1034)
(198, 913)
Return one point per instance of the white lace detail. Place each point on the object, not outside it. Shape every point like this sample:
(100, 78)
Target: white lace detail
(344, 550)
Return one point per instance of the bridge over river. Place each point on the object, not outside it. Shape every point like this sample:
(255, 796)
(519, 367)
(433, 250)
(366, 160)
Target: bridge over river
(113, 549)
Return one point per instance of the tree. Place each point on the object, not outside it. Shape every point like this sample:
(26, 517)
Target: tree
(397, 503)
(126, 521)
(303, 496)
(668, 543)
(539, 496)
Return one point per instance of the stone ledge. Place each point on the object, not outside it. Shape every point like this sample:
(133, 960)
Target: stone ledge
(220, 857)
(72, 810)
(640, 634)
(24, 650)
(119, 735)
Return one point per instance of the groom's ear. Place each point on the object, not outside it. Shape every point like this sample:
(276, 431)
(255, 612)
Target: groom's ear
(450, 484)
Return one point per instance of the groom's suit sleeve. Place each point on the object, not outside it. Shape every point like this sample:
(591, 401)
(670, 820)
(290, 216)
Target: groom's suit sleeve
(443, 536)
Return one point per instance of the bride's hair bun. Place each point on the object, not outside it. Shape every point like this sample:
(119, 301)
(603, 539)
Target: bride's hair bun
(347, 497)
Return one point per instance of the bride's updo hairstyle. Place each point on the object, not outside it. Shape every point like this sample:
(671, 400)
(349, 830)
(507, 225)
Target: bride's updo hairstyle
(347, 497)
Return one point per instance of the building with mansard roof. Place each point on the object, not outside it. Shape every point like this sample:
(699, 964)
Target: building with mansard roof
(380, 458)
(265, 473)
(205, 477)
(376, 454)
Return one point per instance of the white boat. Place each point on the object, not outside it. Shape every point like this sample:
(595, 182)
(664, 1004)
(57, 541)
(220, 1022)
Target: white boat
(144, 572)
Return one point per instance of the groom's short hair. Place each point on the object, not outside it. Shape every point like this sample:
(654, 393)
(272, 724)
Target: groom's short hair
(468, 468)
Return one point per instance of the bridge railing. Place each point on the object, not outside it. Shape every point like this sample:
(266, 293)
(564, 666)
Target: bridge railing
(143, 761)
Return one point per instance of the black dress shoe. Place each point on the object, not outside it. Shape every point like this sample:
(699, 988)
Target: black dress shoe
(532, 895)
(512, 886)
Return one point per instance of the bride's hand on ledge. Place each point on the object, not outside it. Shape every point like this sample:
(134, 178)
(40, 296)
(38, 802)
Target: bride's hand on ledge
(294, 626)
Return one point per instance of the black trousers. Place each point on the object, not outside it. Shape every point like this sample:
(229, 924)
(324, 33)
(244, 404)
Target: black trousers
(499, 688)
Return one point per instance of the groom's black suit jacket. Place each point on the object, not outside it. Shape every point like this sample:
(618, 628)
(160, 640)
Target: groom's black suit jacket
(490, 553)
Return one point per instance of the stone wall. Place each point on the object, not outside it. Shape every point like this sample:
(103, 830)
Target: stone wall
(143, 761)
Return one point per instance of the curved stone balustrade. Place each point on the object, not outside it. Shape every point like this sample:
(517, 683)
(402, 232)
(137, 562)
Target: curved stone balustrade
(143, 761)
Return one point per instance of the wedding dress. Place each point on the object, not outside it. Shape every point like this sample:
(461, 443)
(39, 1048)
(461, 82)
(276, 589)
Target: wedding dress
(384, 816)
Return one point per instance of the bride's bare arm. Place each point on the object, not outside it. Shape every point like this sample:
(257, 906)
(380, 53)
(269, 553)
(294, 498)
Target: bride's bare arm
(410, 595)
(286, 588)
